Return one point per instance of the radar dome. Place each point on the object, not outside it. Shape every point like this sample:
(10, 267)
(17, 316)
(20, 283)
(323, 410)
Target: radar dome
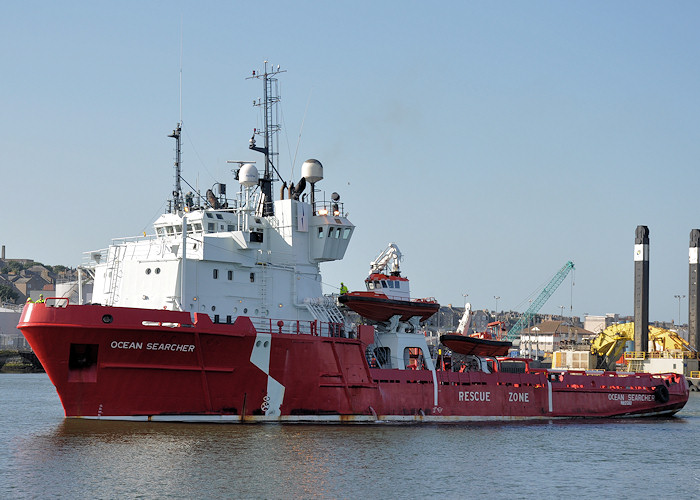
(312, 171)
(248, 175)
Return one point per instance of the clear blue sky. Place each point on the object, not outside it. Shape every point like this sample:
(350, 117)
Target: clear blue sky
(492, 141)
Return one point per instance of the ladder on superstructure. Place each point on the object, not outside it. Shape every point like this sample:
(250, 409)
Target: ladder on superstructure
(114, 272)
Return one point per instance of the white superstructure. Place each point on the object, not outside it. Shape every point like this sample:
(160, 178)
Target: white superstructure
(231, 261)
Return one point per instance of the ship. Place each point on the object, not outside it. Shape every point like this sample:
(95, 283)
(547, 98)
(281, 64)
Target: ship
(220, 316)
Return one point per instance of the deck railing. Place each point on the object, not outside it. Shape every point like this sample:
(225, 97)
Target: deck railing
(299, 327)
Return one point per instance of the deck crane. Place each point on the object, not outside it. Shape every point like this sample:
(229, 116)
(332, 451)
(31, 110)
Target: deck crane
(387, 261)
(610, 343)
(539, 302)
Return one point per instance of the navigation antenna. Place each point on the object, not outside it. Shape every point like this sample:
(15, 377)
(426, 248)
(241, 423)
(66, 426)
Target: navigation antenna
(177, 192)
(271, 127)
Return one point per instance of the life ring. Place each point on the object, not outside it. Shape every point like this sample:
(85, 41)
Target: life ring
(661, 393)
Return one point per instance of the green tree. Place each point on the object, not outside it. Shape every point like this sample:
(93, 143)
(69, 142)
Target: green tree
(8, 294)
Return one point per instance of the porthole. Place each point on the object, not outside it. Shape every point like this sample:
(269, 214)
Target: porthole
(266, 344)
(245, 310)
(107, 318)
(213, 308)
(157, 270)
(148, 270)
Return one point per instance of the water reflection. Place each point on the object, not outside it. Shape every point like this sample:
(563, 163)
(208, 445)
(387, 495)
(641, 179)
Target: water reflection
(105, 459)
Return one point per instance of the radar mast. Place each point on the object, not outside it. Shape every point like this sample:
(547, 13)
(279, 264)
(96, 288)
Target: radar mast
(177, 192)
(271, 126)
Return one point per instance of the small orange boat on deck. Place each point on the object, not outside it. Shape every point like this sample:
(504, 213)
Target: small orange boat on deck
(490, 343)
(387, 294)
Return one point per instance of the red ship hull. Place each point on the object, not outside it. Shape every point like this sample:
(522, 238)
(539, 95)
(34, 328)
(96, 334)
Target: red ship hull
(378, 307)
(122, 363)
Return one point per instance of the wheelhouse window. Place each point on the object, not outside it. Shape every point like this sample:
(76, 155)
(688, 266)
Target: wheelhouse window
(320, 232)
(170, 230)
(211, 227)
(346, 233)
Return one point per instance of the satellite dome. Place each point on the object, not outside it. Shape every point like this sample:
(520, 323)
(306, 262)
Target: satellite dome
(248, 175)
(312, 171)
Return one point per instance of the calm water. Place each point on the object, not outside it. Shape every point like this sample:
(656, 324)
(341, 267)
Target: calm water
(44, 455)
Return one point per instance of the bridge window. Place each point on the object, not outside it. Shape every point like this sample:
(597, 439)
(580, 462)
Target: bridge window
(211, 227)
(170, 230)
(346, 233)
(320, 232)
(219, 216)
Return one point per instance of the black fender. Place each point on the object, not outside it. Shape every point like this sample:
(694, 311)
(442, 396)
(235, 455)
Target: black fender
(661, 393)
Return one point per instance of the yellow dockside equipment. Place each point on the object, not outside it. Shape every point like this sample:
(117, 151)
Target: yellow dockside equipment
(610, 343)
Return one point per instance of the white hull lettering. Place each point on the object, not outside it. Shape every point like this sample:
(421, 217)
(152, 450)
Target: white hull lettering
(519, 397)
(152, 346)
(155, 346)
(126, 345)
(470, 396)
(626, 399)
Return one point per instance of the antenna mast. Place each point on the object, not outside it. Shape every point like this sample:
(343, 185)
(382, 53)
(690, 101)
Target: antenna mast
(271, 127)
(177, 192)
